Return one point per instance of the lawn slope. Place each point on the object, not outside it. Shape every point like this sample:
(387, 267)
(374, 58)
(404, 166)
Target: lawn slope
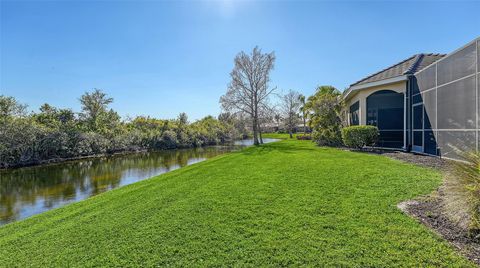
(284, 203)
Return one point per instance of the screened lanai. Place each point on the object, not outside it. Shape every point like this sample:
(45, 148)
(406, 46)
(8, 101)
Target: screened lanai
(445, 104)
(385, 109)
(428, 103)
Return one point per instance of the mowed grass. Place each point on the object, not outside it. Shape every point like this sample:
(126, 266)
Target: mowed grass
(288, 203)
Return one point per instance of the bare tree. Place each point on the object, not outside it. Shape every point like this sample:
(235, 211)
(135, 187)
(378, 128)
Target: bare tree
(265, 115)
(290, 106)
(249, 88)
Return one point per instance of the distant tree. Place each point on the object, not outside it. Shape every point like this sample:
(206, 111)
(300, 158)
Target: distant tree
(53, 117)
(10, 107)
(94, 103)
(290, 105)
(226, 117)
(303, 111)
(278, 118)
(249, 89)
(95, 111)
(182, 119)
(266, 117)
(241, 123)
(325, 119)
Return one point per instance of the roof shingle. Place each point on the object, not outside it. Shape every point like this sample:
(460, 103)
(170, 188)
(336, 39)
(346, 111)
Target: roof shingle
(407, 66)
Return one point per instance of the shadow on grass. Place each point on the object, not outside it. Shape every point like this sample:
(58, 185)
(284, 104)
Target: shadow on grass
(284, 146)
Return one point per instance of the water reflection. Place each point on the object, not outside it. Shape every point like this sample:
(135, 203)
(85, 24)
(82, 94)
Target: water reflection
(28, 191)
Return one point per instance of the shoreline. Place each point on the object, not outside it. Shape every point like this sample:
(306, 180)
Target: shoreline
(54, 161)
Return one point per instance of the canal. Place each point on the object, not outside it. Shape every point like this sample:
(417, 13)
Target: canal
(32, 190)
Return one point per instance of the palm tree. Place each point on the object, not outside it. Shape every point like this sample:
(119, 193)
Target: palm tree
(277, 118)
(303, 109)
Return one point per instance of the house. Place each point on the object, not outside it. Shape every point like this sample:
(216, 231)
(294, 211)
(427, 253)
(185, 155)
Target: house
(428, 103)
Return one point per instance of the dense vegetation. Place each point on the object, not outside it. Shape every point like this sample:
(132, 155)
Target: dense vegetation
(288, 203)
(324, 111)
(53, 133)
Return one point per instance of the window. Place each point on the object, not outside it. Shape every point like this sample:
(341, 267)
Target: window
(354, 114)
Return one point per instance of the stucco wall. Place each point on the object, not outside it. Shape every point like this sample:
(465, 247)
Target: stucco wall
(361, 96)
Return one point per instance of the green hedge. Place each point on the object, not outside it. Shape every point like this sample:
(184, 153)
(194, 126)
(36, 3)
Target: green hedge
(359, 136)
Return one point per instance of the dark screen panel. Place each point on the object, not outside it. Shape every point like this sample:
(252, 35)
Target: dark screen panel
(415, 89)
(417, 138)
(430, 104)
(417, 116)
(390, 119)
(426, 79)
(456, 104)
(457, 65)
(390, 139)
(385, 109)
(430, 143)
(417, 98)
(453, 143)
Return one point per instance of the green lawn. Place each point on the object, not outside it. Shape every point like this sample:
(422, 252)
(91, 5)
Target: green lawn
(280, 204)
(279, 135)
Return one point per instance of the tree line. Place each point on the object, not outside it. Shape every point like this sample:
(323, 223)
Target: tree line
(251, 106)
(53, 133)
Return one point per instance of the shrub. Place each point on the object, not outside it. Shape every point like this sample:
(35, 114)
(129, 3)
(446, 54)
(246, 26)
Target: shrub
(304, 137)
(359, 136)
(169, 140)
(329, 136)
(91, 143)
(468, 174)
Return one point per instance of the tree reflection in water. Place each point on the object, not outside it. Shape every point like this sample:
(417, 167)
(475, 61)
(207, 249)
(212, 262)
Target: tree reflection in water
(28, 191)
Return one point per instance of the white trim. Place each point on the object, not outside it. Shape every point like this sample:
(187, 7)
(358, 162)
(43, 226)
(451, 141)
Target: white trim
(374, 84)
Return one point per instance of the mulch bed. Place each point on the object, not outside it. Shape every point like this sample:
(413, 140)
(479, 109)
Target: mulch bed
(429, 209)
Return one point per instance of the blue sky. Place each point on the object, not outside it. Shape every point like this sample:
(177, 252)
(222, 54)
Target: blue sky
(162, 58)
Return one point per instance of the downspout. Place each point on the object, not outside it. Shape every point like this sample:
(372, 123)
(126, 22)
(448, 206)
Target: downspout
(408, 110)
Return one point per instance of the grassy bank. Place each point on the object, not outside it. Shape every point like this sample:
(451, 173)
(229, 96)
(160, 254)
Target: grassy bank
(283, 136)
(284, 203)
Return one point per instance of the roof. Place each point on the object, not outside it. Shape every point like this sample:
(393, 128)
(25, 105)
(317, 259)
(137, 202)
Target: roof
(407, 66)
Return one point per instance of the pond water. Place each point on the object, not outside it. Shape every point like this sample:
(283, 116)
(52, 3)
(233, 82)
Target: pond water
(28, 191)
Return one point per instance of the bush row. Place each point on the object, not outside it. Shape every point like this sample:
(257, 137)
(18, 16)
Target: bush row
(24, 141)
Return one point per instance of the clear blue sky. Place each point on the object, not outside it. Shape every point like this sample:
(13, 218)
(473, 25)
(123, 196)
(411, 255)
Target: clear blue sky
(163, 58)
